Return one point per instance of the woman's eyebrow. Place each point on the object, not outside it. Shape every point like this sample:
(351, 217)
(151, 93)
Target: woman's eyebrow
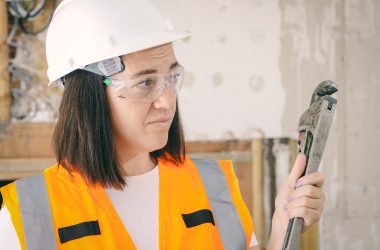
(173, 65)
(151, 71)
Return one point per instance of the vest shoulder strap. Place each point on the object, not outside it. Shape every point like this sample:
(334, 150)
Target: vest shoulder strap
(226, 215)
(33, 200)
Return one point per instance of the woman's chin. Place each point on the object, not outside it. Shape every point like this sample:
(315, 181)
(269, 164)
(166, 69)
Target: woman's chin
(158, 143)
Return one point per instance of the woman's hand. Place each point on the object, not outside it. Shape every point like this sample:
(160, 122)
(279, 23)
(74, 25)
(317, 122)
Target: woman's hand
(300, 197)
(297, 197)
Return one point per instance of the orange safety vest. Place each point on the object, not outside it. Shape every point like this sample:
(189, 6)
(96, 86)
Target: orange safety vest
(200, 207)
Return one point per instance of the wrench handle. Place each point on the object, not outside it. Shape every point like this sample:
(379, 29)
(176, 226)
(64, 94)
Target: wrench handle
(293, 232)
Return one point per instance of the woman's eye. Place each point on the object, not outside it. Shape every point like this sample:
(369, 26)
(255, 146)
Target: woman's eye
(174, 77)
(145, 83)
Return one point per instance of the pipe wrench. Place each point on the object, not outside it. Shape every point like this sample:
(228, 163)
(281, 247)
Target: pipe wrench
(313, 129)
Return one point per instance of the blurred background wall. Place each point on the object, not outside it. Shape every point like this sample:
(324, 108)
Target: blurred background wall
(251, 67)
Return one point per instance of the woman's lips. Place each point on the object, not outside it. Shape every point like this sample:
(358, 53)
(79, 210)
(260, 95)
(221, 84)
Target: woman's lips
(160, 123)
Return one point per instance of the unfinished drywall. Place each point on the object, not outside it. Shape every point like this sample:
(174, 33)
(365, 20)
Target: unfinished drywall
(232, 87)
(339, 40)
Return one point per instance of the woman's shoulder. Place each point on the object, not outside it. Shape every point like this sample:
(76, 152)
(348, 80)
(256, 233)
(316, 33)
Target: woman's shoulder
(50, 171)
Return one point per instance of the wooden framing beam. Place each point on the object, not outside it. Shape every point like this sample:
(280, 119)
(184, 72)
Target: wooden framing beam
(258, 190)
(5, 94)
(27, 140)
(15, 168)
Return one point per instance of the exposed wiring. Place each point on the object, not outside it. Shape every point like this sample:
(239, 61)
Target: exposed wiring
(37, 10)
(24, 105)
(32, 32)
(24, 16)
(26, 102)
(12, 34)
(29, 105)
(16, 9)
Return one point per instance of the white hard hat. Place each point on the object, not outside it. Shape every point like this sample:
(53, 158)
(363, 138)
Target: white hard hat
(82, 32)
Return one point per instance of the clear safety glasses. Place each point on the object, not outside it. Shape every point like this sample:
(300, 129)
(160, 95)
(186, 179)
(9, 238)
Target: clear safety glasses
(148, 87)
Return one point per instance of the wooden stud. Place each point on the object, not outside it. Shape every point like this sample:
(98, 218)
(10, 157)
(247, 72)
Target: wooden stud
(11, 169)
(5, 94)
(258, 192)
(27, 140)
(310, 239)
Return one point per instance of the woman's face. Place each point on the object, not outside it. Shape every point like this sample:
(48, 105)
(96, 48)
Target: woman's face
(141, 127)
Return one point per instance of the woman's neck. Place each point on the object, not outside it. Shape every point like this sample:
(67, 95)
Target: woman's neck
(138, 164)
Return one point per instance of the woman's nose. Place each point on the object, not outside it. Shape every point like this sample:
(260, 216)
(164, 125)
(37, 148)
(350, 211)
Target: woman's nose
(165, 99)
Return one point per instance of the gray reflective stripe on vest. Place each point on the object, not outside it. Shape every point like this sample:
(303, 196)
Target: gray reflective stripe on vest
(37, 220)
(227, 219)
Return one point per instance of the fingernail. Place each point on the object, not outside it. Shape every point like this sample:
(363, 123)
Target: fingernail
(285, 207)
(289, 198)
(298, 184)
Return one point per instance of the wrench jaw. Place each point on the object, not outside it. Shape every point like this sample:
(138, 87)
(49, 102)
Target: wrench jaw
(310, 119)
(325, 88)
(307, 126)
(313, 129)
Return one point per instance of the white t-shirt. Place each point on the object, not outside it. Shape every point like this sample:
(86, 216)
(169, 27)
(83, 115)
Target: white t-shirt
(136, 205)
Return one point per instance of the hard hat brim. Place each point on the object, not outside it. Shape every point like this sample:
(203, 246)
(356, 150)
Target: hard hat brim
(132, 45)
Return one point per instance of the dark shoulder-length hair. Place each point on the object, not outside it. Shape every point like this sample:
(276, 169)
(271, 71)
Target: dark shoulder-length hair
(83, 137)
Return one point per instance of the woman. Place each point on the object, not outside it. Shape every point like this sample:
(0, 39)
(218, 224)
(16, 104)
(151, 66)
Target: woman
(123, 180)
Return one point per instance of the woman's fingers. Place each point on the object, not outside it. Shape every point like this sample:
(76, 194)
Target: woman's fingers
(305, 202)
(297, 170)
(315, 179)
(307, 191)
